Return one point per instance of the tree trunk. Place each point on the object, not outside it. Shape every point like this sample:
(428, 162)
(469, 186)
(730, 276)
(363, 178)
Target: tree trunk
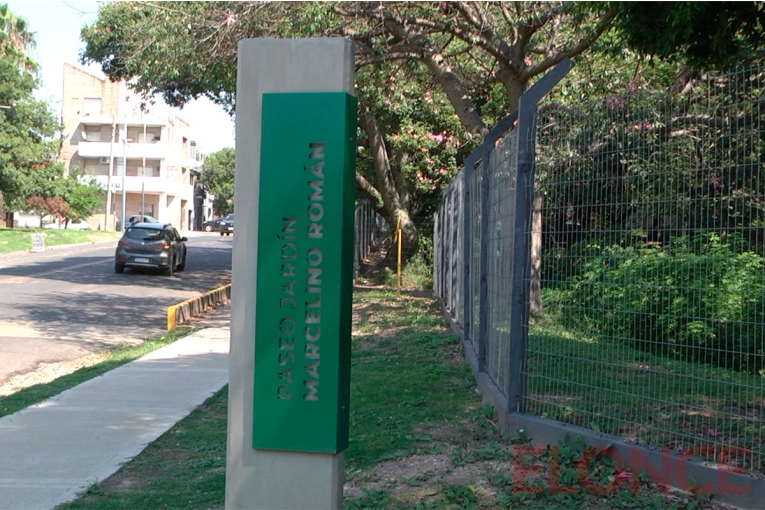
(386, 182)
(535, 297)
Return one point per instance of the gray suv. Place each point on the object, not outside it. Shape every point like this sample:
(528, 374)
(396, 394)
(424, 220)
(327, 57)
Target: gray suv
(151, 245)
(226, 225)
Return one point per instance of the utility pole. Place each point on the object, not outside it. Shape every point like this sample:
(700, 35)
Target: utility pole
(143, 176)
(124, 160)
(108, 225)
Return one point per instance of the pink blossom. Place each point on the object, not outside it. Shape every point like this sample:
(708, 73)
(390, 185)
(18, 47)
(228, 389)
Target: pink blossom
(392, 78)
(527, 61)
(386, 100)
(231, 19)
(442, 171)
(428, 160)
(393, 87)
(424, 149)
(395, 107)
(434, 186)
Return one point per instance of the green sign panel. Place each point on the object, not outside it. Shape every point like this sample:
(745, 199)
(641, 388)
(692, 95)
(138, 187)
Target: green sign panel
(305, 272)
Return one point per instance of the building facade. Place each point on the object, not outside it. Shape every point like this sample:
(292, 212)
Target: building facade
(155, 162)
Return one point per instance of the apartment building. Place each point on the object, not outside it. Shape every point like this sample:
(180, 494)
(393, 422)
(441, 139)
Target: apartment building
(161, 164)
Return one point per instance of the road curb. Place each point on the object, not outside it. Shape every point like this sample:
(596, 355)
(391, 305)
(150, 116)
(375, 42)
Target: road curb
(179, 313)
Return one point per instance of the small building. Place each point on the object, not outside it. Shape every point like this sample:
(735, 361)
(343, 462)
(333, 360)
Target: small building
(159, 166)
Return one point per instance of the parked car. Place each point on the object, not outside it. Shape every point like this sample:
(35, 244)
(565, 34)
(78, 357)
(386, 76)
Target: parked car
(212, 225)
(73, 225)
(151, 245)
(226, 225)
(141, 219)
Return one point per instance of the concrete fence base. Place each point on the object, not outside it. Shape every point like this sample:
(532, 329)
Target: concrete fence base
(182, 312)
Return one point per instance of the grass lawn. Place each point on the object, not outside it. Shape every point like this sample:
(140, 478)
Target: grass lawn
(113, 358)
(612, 387)
(20, 239)
(420, 437)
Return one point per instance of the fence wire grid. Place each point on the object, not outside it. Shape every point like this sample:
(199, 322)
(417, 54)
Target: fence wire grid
(647, 267)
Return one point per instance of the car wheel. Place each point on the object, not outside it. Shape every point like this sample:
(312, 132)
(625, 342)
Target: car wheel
(171, 268)
(208, 228)
(182, 265)
(222, 233)
(119, 268)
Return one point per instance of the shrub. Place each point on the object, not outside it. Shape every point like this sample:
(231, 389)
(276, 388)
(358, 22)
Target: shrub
(700, 300)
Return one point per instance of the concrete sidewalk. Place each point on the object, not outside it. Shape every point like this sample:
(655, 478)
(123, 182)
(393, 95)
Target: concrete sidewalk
(51, 451)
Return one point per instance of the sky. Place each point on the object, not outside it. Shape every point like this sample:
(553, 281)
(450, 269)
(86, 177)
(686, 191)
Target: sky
(57, 27)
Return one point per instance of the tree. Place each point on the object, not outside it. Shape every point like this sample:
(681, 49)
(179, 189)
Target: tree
(83, 195)
(22, 120)
(44, 206)
(218, 178)
(704, 34)
(16, 40)
(468, 49)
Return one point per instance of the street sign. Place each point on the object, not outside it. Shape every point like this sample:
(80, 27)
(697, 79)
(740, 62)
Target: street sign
(38, 243)
(305, 272)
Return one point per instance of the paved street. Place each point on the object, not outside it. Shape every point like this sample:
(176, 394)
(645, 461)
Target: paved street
(66, 303)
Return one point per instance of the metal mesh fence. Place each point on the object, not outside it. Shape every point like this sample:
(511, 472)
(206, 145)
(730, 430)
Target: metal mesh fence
(369, 226)
(500, 171)
(447, 248)
(646, 271)
(652, 264)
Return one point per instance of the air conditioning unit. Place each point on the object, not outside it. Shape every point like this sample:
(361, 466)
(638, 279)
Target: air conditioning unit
(104, 161)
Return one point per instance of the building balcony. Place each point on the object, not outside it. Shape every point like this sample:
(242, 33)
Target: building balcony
(151, 120)
(132, 150)
(152, 185)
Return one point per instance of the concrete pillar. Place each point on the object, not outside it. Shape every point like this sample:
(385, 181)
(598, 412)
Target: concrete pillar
(261, 479)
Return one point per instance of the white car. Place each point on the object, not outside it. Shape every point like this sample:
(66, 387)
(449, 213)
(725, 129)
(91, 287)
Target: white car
(73, 225)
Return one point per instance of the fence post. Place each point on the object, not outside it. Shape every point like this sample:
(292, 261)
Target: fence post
(524, 200)
(467, 252)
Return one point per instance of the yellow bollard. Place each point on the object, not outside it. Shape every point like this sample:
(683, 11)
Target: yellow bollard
(171, 324)
(398, 236)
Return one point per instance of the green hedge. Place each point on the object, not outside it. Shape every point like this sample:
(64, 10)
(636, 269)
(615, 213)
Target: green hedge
(700, 300)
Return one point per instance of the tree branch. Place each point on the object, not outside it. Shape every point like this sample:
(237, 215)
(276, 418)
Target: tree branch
(582, 45)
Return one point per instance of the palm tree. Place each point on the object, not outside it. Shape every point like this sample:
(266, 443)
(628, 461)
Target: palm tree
(16, 40)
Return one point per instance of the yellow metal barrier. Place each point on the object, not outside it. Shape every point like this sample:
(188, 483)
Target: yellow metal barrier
(398, 238)
(183, 311)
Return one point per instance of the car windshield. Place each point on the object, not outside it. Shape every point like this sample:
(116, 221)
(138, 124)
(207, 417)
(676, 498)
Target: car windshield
(144, 234)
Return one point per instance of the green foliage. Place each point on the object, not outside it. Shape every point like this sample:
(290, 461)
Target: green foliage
(84, 196)
(701, 300)
(16, 39)
(28, 145)
(705, 34)
(418, 271)
(218, 178)
(425, 140)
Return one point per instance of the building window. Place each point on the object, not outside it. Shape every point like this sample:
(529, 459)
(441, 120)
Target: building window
(92, 105)
(91, 133)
